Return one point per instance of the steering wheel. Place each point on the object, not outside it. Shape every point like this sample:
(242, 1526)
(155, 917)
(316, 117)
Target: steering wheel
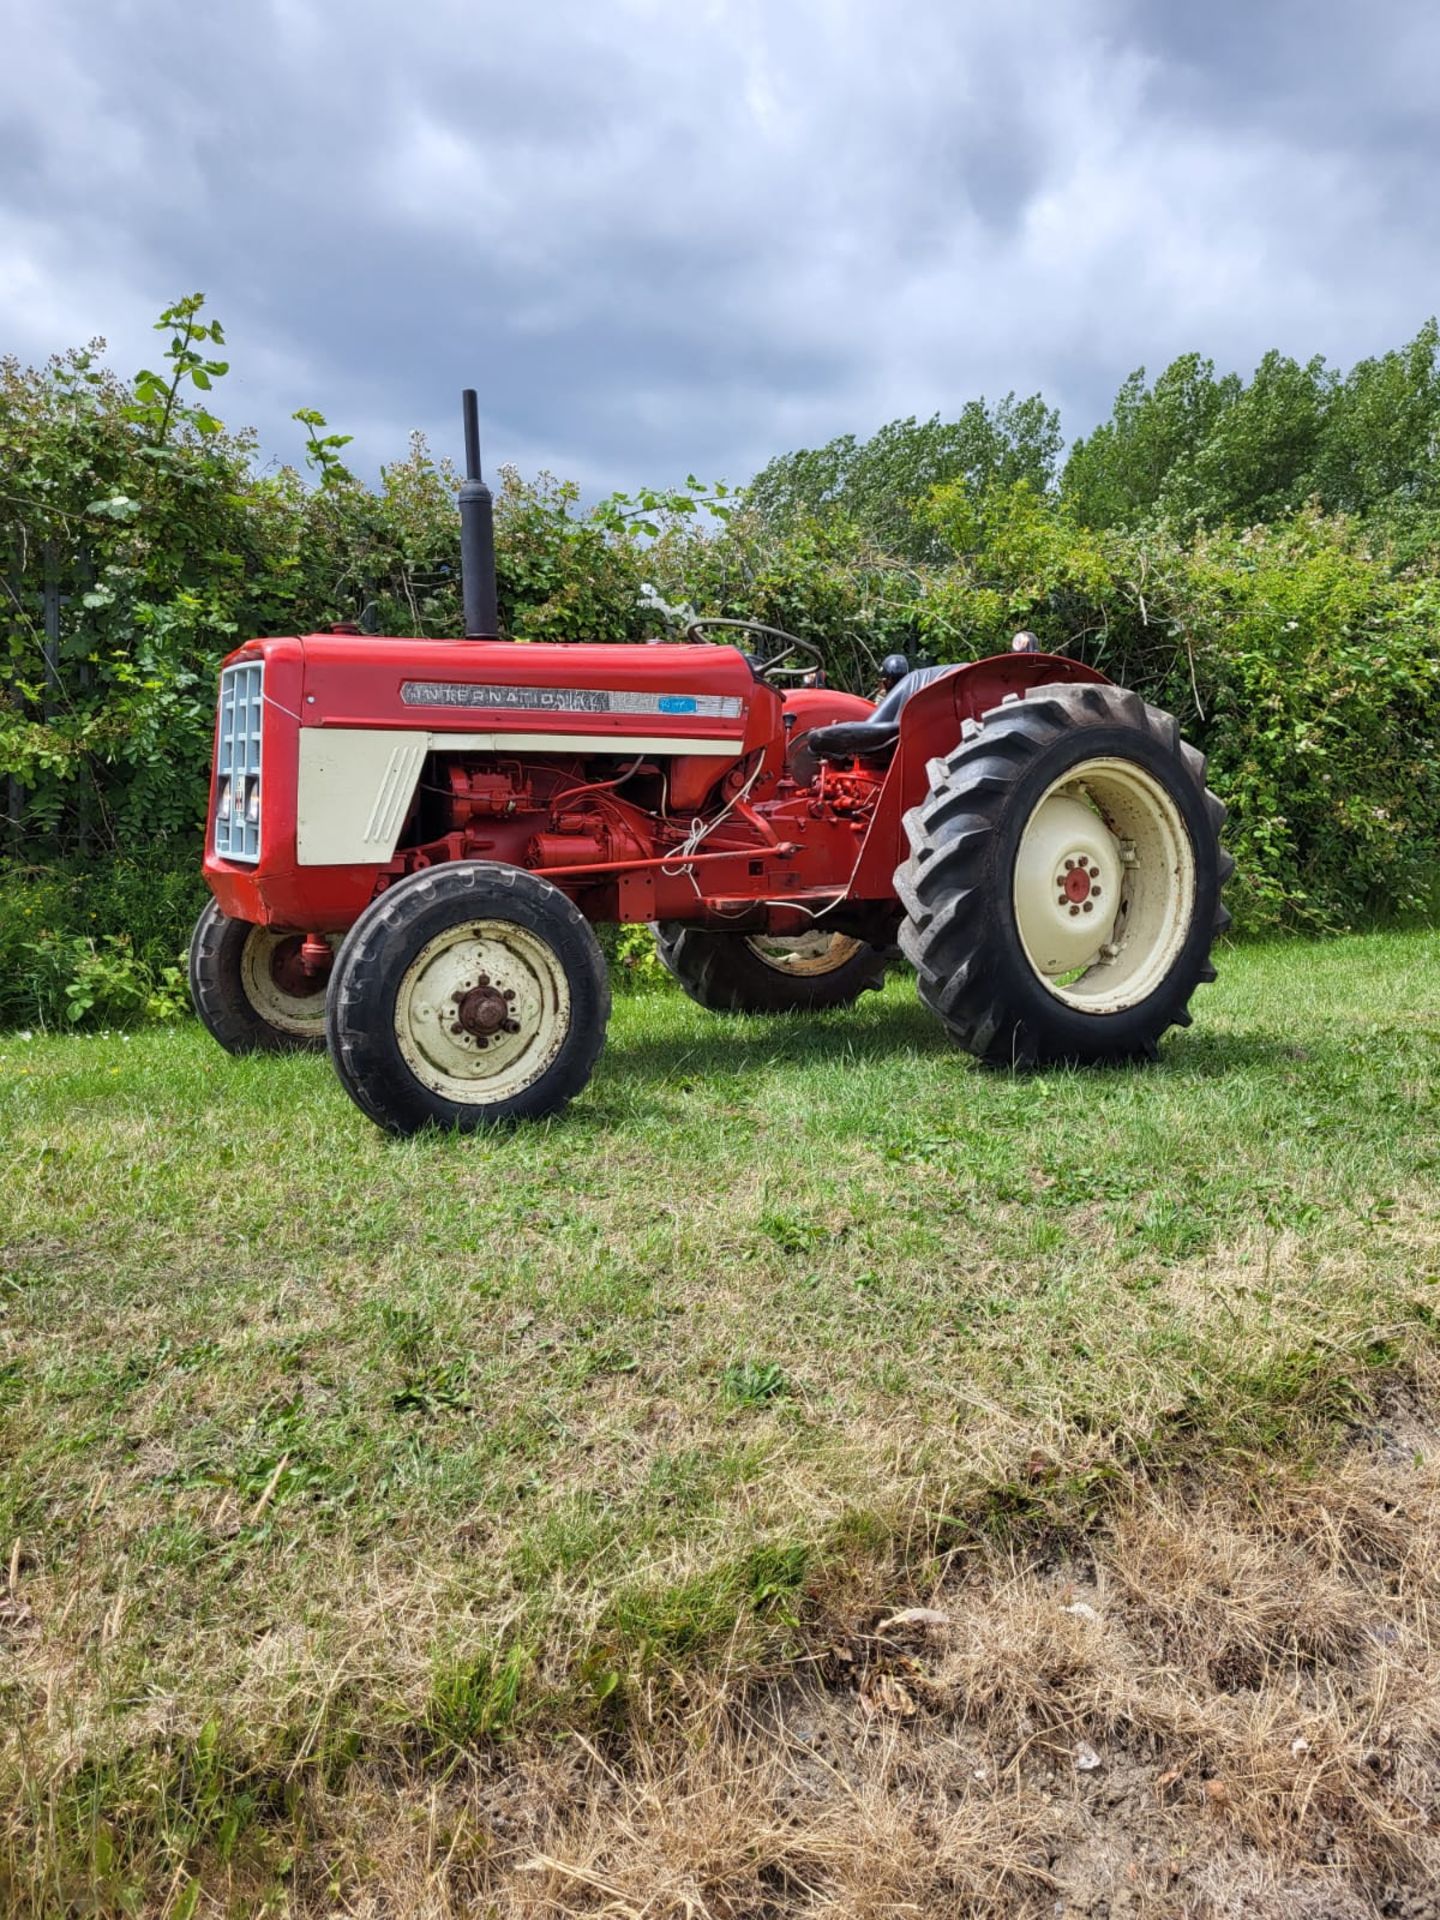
(764, 668)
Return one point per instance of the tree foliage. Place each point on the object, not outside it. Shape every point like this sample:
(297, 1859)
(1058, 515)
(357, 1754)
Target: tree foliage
(1201, 450)
(881, 484)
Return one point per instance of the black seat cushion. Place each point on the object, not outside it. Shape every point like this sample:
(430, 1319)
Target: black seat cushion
(874, 738)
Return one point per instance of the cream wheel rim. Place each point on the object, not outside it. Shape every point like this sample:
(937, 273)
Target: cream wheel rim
(300, 1014)
(804, 954)
(1104, 886)
(482, 1011)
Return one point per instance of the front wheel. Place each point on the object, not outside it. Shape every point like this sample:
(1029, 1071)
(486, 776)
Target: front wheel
(767, 973)
(251, 988)
(1063, 887)
(467, 995)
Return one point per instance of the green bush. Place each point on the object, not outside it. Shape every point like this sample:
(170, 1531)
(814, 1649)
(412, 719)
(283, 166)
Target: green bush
(96, 944)
(102, 944)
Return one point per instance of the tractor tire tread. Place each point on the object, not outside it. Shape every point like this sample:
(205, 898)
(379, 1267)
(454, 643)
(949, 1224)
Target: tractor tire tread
(723, 973)
(373, 959)
(217, 990)
(947, 884)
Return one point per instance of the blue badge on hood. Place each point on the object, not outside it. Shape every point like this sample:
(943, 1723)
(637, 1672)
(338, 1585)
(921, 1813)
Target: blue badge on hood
(677, 703)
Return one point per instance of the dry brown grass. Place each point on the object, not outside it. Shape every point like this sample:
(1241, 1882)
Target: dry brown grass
(1222, 1700)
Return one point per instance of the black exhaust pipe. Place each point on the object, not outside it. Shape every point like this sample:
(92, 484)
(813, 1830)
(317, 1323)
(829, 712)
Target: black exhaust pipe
(477, 536)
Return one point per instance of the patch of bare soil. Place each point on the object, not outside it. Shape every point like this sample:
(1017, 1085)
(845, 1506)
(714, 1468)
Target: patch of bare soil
(1225, 1702)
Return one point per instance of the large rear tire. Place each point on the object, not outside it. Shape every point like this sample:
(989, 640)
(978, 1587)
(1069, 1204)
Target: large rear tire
(758, 973)
(250, 991)
(468, 995)
(1063, 888)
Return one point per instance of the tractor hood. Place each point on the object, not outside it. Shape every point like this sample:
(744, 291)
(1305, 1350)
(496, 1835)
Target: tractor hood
(623, 696)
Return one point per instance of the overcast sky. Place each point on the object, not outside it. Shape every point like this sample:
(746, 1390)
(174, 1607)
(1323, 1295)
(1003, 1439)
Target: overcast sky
(665, 237)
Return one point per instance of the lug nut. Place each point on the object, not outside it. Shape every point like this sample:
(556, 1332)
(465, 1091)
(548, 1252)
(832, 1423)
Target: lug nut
(1089, 906)
(1074, 911)
(509, 994)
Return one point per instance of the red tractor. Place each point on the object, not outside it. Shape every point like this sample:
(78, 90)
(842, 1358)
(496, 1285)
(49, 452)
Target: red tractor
(410, 842)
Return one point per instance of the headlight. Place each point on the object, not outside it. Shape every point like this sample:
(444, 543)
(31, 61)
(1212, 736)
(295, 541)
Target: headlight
(252, 802)
(222, 811)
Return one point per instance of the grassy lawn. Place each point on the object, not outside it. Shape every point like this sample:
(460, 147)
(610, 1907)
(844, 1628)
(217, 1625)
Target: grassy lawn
(330, 1459)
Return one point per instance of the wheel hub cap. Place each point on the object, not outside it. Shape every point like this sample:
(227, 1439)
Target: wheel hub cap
(1065, 884)
(281, 989)
(481, 1011)
(1104, 885)
(804, 953)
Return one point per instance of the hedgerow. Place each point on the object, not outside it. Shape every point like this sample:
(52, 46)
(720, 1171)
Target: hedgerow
(1260, 560)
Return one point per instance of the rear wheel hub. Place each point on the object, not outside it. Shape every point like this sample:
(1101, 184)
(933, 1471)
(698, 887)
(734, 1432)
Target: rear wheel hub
(805, 954)
(1104, 885)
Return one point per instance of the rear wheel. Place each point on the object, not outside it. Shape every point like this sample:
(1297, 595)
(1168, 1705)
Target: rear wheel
(766, 973)
(1063, 887)
(250, 988)
(467, 995)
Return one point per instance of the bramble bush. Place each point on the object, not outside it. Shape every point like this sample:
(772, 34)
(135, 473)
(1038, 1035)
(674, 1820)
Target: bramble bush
(1260, 559)
(94, 942)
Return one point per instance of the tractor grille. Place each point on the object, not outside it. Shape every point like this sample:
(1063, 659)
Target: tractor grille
(237, 769)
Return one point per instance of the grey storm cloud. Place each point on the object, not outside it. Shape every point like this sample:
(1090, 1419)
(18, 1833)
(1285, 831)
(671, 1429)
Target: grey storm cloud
(669, 238)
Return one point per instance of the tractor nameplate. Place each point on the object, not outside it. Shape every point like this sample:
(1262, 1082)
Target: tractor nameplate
(459, 693)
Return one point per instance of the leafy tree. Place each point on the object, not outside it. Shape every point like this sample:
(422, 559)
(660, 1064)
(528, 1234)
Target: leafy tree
(1259, 557)
(1259, 459)
(1147, 448)
(882, 484)
(1380, 445)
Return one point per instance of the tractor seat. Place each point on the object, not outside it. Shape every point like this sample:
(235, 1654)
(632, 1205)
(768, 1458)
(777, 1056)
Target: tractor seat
(875, 738)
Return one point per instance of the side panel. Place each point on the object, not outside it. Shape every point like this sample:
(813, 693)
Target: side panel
(356, 783)
(603, 692)
(355, 788)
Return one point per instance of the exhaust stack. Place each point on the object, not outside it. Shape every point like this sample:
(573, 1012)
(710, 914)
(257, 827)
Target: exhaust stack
(477, 536)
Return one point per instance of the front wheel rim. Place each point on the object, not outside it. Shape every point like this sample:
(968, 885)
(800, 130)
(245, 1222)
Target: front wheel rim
(482, 1012)
(804, 955)
(1104, 885)
(266, 965)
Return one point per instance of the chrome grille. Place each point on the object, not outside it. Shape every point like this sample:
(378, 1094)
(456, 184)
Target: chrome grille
(237, 770)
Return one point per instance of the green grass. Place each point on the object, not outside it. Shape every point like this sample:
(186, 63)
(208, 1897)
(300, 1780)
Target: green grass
(317, 1447)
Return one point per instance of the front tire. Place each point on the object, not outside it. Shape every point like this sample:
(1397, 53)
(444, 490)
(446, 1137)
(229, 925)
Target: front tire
(1063, 887)
(761, 973)
(249, 990)
(468, 995)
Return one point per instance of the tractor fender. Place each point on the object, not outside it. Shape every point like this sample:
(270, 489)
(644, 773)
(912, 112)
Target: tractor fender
(933, 716)
(931, 722)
